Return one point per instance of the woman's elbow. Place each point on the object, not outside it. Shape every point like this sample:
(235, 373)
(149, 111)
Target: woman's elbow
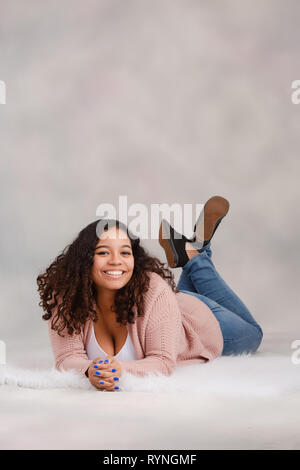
(169, 367)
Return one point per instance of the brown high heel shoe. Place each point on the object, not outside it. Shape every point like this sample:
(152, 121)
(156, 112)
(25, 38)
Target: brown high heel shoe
(209, 219)
(174, 243)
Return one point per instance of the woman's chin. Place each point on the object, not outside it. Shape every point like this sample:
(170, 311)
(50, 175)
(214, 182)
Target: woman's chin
(117, 283)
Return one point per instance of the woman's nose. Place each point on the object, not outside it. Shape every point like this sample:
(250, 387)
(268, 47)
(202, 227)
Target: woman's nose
(114, 259)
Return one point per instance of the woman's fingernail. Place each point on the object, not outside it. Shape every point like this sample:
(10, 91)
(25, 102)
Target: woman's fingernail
(95, 367)
(114, 370)
(98, 373)
(116, 378)
(100, 362)
(116, 388)
(106, 360)
(101, 382)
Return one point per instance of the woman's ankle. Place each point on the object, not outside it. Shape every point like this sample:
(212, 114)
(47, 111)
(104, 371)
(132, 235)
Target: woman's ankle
(190, 250)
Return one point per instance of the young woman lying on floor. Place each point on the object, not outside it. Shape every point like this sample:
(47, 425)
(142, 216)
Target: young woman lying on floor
(111, 307)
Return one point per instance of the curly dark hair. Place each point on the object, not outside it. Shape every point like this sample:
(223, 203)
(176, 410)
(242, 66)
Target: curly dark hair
(67, 287)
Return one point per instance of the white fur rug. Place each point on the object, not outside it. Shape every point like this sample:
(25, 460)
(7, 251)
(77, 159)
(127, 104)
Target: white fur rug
(262, 374)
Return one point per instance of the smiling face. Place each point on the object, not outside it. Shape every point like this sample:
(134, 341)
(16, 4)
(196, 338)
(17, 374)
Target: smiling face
(113, 260)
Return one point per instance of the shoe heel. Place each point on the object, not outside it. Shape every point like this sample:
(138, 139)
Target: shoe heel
(166, 243)
(213, 212)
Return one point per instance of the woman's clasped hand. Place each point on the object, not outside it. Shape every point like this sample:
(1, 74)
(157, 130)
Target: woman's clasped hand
(105, 374)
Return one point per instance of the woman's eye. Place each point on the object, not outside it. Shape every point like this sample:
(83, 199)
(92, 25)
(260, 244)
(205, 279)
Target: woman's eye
(104, 253)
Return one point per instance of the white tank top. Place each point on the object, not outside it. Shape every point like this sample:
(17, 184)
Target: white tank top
(94, 350)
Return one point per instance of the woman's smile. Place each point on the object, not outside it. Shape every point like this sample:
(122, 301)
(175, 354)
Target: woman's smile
(114, 274)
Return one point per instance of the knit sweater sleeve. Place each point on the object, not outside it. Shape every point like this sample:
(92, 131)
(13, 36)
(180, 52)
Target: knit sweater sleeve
(162, 336)
(68, 351)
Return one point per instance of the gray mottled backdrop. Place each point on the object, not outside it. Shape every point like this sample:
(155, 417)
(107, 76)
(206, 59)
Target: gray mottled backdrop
(162, 101)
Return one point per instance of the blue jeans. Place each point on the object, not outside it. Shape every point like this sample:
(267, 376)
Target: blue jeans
(240, 331)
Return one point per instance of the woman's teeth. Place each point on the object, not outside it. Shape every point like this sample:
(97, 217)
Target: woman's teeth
(114, 274)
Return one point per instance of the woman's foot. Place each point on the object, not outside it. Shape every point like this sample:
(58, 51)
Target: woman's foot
(179, 249)
(174, 244)
(210, 217)
(190, 250)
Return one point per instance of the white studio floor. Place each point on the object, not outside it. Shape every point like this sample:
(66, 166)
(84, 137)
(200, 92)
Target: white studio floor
(243, 402)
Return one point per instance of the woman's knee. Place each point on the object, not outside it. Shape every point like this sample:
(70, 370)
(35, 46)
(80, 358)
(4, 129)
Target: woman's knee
(244, 345)
(258, 338)
(260, 334)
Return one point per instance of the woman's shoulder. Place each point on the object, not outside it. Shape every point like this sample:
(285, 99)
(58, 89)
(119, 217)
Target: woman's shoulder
(157, 300)
(157, 286)
(157, 283)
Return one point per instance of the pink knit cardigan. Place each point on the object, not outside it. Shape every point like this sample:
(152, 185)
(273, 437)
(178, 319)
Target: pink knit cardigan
(176, 329)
